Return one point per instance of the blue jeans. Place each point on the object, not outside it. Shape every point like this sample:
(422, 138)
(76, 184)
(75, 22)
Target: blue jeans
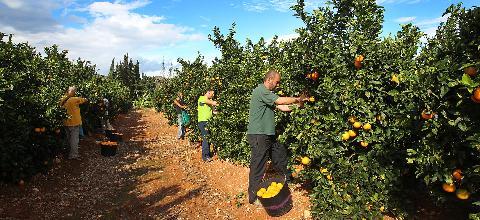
(181, 127)
(205, 147)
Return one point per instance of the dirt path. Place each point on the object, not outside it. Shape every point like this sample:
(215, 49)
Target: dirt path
(153, 176)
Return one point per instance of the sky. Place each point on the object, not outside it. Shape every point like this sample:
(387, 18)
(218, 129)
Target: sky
(160, 31)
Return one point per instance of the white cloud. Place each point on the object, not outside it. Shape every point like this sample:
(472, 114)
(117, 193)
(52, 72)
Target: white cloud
(405, 19)
(278, 5)
(430, 26)
(287, 37)
(29, 15)
(112, 30)
(255, 6)
(15, 4)
(434, 21)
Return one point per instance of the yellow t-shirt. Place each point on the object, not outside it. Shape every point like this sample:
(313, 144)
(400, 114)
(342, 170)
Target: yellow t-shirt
(73, 111)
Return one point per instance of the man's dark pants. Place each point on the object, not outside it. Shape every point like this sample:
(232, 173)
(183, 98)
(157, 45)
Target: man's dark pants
(263, 147)
(205, 147)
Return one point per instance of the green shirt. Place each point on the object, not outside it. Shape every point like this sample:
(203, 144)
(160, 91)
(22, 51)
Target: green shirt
(261, 118)
(204, 110)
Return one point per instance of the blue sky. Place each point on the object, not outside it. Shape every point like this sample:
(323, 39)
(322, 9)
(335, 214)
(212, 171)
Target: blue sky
(154, 31)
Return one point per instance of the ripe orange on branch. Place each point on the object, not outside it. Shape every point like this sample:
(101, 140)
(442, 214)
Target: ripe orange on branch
(457, 174)
(357, 64)
(476, 95)
(471, 71)
(357, 125)
(314, 75)
(352, 119)
(345, 136)
(367, 126)
(364, 144)
(305, 160)
(448, 187)
(359, 58)
(352, 133)
(426, 116)
(463, 194)
(395, 79)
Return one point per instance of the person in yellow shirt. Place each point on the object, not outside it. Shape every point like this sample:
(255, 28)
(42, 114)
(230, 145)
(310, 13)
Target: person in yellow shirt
(204, 108)
(72, 124)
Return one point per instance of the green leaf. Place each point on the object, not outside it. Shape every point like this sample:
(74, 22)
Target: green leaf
(468, 82)
(452, 84)
(462, 126)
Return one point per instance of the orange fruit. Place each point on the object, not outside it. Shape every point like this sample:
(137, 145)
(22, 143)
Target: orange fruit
(357, 125)
(352, 133)
(426, 116)
(305, 160)
(471, 71)
(364, 144)
(462, 194)
(457, 174)
(345, 136)
(359, 58)
(448, 187)
(475, 100)
(367, 126)
(476, 94)
(38, 130)
(352, 119)
(357, 64)
(395, 79)
(314, 75)
(261, 192)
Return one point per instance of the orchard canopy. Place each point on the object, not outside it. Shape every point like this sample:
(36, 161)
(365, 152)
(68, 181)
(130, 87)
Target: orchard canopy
(388, 113)
(390, 118)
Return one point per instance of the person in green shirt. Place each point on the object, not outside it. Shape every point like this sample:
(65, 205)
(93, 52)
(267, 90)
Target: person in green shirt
(204, 107)
(261, 130)
(180, 107)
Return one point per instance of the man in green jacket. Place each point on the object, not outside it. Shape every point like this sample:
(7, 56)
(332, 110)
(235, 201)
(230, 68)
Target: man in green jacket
(261, 130)
(204, 107)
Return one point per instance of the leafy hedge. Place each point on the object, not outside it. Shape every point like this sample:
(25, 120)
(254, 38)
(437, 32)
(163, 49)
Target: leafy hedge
(415, 96)
(31, 86)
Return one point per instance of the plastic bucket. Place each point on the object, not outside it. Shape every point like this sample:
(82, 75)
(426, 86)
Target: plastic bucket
(281, 203)
(108, 148)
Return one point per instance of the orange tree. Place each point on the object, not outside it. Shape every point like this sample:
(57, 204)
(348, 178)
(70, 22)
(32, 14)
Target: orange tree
(363, 132)
(30, 88)
(192, 80)
(448, 148)
(240, 69)
(356, 167)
